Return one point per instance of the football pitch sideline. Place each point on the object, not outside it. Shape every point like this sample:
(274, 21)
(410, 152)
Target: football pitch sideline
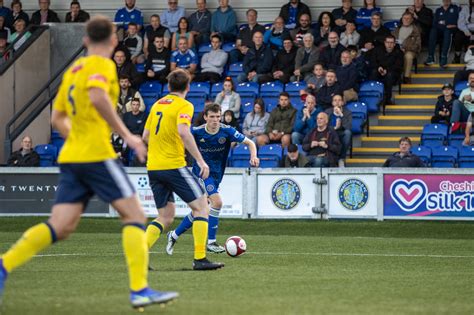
(290, 267)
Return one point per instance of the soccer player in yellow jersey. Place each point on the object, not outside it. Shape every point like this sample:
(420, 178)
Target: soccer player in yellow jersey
(168, 134)
(84, 113)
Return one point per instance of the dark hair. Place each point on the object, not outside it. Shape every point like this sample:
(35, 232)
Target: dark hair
(259, 101)
(135, 99)
(16, 2)
(284, 94)
(133, 24)
(99, 29)
(251, 10)
(124, 77)
(155, 15)
(352, 48)
(404, 139)
(73, 3)
(178, 80)
(233, 123)
(338, 94)
(331, 70)
(332, 23)
(292, 148)
(216, 36)
(365, 4)
(319, 64)
(213, 108)
(228, 79)
(391, 37)
(187, 24)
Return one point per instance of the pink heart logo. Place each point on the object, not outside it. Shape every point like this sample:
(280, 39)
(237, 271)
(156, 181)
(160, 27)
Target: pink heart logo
(408, 195)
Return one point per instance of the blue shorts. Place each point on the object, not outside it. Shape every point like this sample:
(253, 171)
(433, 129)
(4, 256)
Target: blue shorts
(78, 182)
(180, 181)
(211, 185)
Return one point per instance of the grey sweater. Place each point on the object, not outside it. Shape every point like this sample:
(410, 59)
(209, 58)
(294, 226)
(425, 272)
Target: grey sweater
(214, 61)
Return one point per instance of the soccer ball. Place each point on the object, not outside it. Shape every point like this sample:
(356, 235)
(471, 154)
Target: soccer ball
(235, 246)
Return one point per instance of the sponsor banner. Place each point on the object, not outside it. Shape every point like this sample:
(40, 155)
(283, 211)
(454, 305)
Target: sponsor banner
(352, 195)
(285, 195)
(34, 194)
(230, 190)
(442, 196)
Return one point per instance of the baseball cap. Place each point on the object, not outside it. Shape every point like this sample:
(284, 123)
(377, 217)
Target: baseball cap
(447, 86)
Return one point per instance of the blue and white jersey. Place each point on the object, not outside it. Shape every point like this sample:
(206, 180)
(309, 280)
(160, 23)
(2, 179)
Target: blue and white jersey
(126, 16)
(185, 60)
(215, 148)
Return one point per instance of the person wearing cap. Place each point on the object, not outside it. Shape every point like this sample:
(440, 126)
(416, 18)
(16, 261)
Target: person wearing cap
(404, 158)
(294, 158)
(444, 105)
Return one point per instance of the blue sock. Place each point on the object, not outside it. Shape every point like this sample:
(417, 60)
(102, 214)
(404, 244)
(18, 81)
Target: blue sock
(185, 225)
(213, 224)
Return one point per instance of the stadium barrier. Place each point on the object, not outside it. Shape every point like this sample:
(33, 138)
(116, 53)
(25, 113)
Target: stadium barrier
(328, 193)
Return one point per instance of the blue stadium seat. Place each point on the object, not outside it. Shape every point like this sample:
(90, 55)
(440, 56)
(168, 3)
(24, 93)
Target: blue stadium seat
(140, 67)
(247, 89)
(392, 25)
(199, 88)
(271, 88)
(149, 100)
(228, 47)
(243, 26)
(270, 102)
(245, 108)
(359, 116)
(151, 87)
(444, 156)
(434, 135)
(270, 155)
(57, 140)
(424, 153)
(204, 48)
(456, 140)
(165, 89)
(216, 89)
(268, 26)
(240, 156)
(236, 67)
(297, 103)
(371, 93)
(47, 153)
(199, 101)
(466, 157)
(372, 86)
(293, 88)
(459, 87)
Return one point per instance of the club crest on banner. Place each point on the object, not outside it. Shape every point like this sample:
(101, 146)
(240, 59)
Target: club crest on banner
(286, 194)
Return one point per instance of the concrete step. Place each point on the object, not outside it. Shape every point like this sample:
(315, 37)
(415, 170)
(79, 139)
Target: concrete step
(408, 131)
(409, 109)
(432, 77)
(365, 162)
(451, 67)
(379, 141)
(407, 99)
(374, 152)
(403, 120)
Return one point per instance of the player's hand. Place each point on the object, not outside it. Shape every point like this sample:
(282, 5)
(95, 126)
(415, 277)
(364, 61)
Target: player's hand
(204, 174)
(254, 161)
(136, 143)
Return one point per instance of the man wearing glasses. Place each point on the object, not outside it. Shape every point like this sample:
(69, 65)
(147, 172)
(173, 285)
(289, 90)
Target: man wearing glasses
(170, 18)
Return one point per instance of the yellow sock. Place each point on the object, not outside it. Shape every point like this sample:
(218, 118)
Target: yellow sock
(136, 254)
(153, 232)
(200, 226)
(34, 240)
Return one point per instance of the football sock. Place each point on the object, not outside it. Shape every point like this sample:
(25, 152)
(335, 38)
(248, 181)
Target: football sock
(153, 232)
(34, 240)
(213, 224)
(200, 237)
(136, 255)
(185, 225)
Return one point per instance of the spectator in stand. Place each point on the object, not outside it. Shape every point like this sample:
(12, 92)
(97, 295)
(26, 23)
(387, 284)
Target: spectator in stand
(75, 14)
(280, 124)
(347, 77)
(444, 106)
(292, 11)
(3, 46)
(126, 67)
(360, 62)
(464, 105)
(120, 147)
(258, 62)
(6, 13)
(468, 133)
(3, 27)
(274, 37)
(184, 58)
(182, 32)
(212, 63)
(224, 22)
(404, 158)
(462, 75)
(135, 119)
(134, 43)
(350, 36)
(155, 29)
(330, 55)
(20, 32)
(327, 91)
(171, 16)
(294, 158)
(465, 30)
(444, 26)
(18, 13)
(364, 15)
(346, 13)
(340, 118)
(306, 57)
(304, 28)
(229, 119)
(408, 37)
(228, 99)
(26, 156)
(388, 66)
(325, 25)
(157, 66)
(284, 64)
(255, 123)
(315, 81)
(44, 14)
(200, 23)
(245, 36)
(373, 35)
(423, 19)
(127, 14)
(305, 120)
(127, 94)
(322, 144)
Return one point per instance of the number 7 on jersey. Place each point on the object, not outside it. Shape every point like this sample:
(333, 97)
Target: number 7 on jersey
(160, 116)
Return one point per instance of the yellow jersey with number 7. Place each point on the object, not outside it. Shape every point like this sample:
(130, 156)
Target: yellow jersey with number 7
(89, 138)
(165, 147)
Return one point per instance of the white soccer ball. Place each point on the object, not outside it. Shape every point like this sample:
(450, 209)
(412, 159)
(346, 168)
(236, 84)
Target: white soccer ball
(235, 246)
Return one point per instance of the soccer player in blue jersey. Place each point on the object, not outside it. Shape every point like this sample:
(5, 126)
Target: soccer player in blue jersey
(214, 142)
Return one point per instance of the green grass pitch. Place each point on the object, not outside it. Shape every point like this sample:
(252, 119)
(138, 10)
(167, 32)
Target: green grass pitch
(291, 267)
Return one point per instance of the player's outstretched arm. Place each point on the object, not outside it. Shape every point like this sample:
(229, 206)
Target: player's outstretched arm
(190, 145)
(254, 160)
(60, 121)
(101, 101)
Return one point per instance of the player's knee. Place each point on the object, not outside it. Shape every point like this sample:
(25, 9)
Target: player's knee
(64, 231)
(166, 220)
(216, 204)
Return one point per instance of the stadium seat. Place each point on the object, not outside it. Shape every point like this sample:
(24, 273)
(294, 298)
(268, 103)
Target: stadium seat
(466, 157)
(151, 87)
(434, 135)
(240, 156)
(247, 89)
(245, 108)
(165, 89)
(204, 48)
(456, 140)
(199, 101)
(199, 88)
(392, 25)
(359, 117)
(57, 140)
(47, 153)
(268, 26)
(297, 102)
(270, 155)
(228, 47)
(424, 153)
(215, 89)
(459, 87)
(243, 26)
(293, 88)
(236, 67)
(371, 93)
(271, 102)
(140, 67)
(271, 88)
(444, 156)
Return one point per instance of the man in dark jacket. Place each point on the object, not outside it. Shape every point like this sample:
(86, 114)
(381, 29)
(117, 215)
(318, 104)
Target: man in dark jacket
(294, 158)
(157, 65)
(387, 66)
(328, 90)
(340, 118)
(305, 120)
(374, 35)
(26, 156)
(284, 64)
(280, 123)
(330, 56)
(306, 57)
(292, 11)
(347, 76)
(444, 106)
(322, 144)
(342, 15)
(76, 15)
(135, 120)
(126, 67)
(200, 23)
(44, 14)
(423, 18)
(258, 62)
(304, 28)
(404, 158)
